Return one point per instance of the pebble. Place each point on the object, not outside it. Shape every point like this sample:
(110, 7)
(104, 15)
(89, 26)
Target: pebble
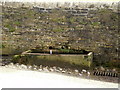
(17, 65)
(101, 68)
(57, 70)
(41, 66)
(84, 70)
(40, 70)
(29, 67)
(63, 71)
(34, 68)
(13, 67)
(80, 74)
(11, 64)
(88, 73)
(23, 66)
(69, 72)
(45, 69)
(6, 66)
(60, 68)
(76, 71)
(54, 67)
(51, 69)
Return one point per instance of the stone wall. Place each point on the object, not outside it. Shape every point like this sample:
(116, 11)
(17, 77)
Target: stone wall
(25, 28)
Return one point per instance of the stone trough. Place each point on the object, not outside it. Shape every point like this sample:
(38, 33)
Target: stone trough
(55, 59)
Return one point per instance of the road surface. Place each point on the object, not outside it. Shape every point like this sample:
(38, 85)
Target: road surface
(14, 78)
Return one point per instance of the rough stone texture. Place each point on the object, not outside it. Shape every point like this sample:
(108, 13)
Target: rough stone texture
(25, 28)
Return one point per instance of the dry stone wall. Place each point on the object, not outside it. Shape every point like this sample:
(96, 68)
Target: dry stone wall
(25, 28)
